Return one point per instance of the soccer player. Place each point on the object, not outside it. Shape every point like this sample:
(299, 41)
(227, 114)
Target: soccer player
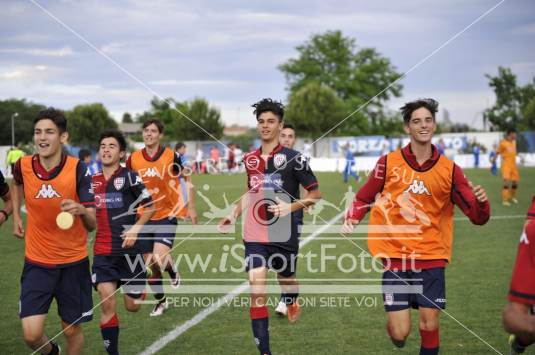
(159, 169)
(518, 316)
(287, 139)
(507, 149)
(274, 174)
(415, 186)
(4, 194)
(186, 194)
(56, 264)
(350, 163)
(117, 259)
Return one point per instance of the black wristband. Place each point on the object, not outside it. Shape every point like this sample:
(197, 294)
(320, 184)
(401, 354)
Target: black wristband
(5, 214)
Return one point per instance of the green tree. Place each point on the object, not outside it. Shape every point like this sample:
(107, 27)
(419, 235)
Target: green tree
(26, 113)
(512, 101)
(177, 118)
(314, 109)
(127, 118)
(87, 122)
(356, 75)
(529, 114)
(194, 119)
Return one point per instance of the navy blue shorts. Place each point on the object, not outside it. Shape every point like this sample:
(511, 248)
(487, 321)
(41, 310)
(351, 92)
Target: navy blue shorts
(127, 271)
(161, 231)
(69, 285)
(423, 288)
(280, 260)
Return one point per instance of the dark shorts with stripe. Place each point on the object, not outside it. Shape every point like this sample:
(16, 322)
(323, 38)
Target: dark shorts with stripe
(422, 288)
(280, 260)
(70, 285)
(128, 271)
(161, 231)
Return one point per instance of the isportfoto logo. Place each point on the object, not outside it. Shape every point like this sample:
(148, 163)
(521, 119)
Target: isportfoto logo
(418, 187)
(47, 191)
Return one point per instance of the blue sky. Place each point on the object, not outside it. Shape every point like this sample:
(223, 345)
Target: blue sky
(228, 52)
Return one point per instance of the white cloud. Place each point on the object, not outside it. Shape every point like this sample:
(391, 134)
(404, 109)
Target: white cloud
(28, 72)
(41, 52)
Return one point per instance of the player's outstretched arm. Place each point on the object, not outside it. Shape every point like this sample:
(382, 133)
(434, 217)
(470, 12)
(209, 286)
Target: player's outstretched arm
(130, 236)
(192, 210)
(16, 199)
(472, 200)
(236, 213)
(283, 208)
(87, 214)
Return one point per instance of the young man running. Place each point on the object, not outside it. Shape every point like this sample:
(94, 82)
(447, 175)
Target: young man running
(287, 139)
(56, 264)
(274, 174)
(117, 259)
(159, 169)
(518, 316)
(412, 192)
(507, 149)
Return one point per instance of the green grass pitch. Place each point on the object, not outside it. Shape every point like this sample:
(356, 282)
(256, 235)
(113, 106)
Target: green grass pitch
(476, 282)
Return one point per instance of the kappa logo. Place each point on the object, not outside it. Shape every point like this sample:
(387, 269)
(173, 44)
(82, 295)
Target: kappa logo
(279, 160)
(418, 187)
(118, 183)
(47, 191)
(107, 343)
(524, 238)
(151, 172)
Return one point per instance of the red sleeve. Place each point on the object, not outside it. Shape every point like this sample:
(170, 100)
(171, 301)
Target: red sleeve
(531, 211)
(17, 173)
(365, 197)
(462, 196)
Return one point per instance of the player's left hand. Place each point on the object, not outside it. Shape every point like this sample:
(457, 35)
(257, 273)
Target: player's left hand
(281, 209)
(479, 192)
(73, 207)
(129, 238)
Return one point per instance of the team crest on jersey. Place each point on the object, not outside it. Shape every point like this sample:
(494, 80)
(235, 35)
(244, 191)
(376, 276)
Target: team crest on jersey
(47, 191)
(118, 183)
(279, 160)
(418, 188)
(252, 162)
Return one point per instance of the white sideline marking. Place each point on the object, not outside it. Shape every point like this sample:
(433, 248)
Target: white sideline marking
(199, 317)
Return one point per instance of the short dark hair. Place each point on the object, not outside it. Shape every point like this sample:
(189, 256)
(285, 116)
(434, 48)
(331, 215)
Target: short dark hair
(510, 130)
(84, 153)
(179, 145)
(112, 133)
(55, 115)
(288, 125)
(155, 122)
(269, 105)
(410, 107)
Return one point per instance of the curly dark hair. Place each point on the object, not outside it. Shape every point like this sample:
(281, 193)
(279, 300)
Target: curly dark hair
(55, 115)
(410, 107)
(269, 105)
